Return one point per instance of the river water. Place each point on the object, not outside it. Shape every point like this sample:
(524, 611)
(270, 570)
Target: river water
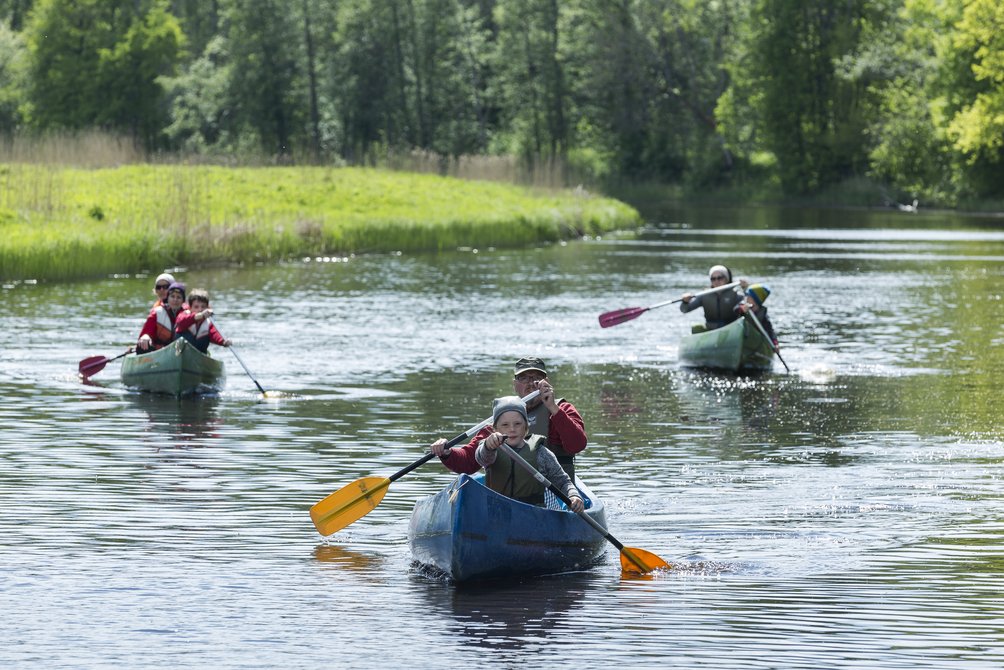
(847, 514)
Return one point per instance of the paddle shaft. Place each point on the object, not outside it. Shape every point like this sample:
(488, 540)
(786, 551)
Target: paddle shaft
(696, 295)
(467, 434)
(619, 316)
(471, 432)
(759, 326)
(99, 363)
(405, 470)
(241, 361)
(349, 507)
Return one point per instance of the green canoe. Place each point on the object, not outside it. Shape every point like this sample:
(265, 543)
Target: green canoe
(177, 369)
(734, 347)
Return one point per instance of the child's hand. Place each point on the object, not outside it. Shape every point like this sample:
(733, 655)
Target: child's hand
(576, 504)
(493, 441)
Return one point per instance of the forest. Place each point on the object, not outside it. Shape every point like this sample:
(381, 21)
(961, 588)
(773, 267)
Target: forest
(787, 98)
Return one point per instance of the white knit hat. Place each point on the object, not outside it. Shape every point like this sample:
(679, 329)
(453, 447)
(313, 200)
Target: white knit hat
(164, 277)
(508, 403)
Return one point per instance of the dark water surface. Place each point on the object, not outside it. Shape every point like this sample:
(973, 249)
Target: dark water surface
(848, 514)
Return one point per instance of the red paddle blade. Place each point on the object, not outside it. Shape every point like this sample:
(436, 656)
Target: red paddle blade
(92, 366)
(619, 316)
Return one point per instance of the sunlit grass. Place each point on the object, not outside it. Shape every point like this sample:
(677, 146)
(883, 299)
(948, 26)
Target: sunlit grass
(62, 223)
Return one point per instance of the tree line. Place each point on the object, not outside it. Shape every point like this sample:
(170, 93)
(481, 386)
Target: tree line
(802, 95)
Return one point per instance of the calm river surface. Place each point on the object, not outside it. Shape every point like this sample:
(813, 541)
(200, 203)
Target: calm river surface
(848, 514)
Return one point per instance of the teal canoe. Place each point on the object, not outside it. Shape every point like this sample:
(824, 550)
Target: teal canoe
(736, 347)
(469, 533)
(177, 369)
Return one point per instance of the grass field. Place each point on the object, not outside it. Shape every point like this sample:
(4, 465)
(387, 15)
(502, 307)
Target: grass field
(65, 223)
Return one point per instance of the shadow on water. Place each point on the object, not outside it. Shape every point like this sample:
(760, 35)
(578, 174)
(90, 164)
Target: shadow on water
(509, 615)
(189, 419)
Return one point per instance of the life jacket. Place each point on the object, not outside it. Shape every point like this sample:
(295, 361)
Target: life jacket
(198, 335)
(719, 308)
(540, 424)
(164, 334)
(507, 477)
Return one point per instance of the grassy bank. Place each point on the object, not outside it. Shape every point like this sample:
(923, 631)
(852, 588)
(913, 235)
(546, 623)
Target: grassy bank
(63, 223)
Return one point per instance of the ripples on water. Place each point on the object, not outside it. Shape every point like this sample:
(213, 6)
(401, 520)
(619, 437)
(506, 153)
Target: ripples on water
(844, 515)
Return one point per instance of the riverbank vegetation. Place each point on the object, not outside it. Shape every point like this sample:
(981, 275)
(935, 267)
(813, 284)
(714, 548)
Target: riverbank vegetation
(62, 223)
(756, 99)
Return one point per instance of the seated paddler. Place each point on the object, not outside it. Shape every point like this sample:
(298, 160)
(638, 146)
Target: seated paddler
(503, 474)
(719, 305)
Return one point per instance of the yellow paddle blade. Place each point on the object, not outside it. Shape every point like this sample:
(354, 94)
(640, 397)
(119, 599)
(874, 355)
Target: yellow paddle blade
(347, 504)
(640, 561)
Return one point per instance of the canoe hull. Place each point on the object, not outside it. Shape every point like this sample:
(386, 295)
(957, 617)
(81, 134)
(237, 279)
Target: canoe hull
(735, 347)
(470, 532)
(177, 369)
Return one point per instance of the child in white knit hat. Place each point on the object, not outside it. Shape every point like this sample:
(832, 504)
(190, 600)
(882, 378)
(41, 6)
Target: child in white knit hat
(503, 474)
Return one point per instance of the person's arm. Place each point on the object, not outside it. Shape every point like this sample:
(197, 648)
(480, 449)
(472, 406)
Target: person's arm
(690, 305)
(184, 321)
(485, 456)
(549, 467)
(149, 330)
(567, 429)
(769, 328)
(216, 338)
(462, 459)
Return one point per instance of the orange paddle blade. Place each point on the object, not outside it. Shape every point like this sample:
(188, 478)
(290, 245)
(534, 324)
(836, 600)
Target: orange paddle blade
(347, 504)
(640, 562)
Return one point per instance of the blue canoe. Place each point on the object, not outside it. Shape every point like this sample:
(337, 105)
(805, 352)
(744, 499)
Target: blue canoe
(470, 532)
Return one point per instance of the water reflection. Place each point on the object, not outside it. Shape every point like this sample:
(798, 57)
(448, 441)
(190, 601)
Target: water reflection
(510, 615)
(190, 420)
(342, 557)
(847, 511)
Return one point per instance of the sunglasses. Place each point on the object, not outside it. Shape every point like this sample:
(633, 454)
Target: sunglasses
(718, 278)
(161, 287)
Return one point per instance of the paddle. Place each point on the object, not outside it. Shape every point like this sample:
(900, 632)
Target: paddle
(619, 316)
(756, 322)
(237, 356)
(354, 501)
(633, 559)
(95, 364)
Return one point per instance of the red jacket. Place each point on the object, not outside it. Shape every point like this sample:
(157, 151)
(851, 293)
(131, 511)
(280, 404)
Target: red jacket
(566, 432)
(197, 329)
(159, 325)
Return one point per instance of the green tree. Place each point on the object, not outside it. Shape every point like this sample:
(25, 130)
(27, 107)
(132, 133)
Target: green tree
(13, 58)
(97, 63)
(266, 92)
(14, 12)
(909, 149)
(411, 74)
(787, 97)
(977, 127)
(200, 102)
(530, 84)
